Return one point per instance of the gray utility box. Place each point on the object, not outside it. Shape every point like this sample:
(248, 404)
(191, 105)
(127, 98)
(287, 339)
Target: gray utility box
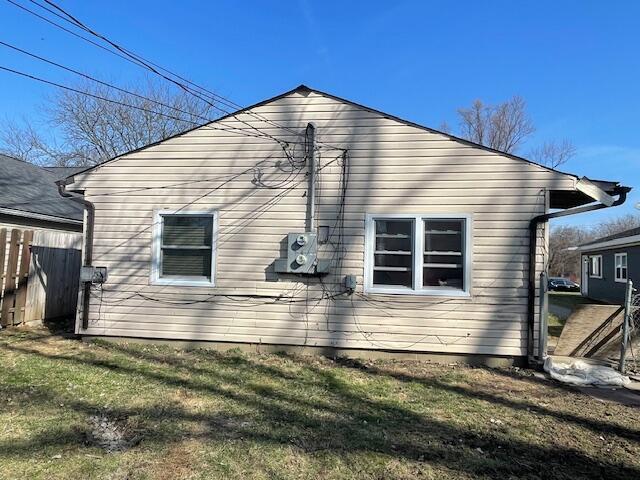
(302, 254)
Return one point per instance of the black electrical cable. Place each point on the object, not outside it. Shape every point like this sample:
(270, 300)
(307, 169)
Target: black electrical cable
(141, 61)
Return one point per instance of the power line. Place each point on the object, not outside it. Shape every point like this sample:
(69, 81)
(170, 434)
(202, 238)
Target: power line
(122, 90)
(141, 62)
(283, 143)
(101, 82)
(154, 68)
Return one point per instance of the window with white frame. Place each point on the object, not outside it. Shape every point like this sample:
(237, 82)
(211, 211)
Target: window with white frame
(621, 267)
(184, 248)
(595, 266)
(418, 254)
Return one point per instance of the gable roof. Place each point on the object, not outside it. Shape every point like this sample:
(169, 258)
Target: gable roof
(26, 189)
(568, 199)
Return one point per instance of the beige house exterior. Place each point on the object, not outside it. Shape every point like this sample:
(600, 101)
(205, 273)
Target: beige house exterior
(387, 193)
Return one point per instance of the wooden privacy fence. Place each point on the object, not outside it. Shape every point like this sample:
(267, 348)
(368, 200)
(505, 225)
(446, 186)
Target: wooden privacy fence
(15, 274)
(39, 274)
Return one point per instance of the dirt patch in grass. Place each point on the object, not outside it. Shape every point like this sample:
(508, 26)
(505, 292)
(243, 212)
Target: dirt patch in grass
(205, 414)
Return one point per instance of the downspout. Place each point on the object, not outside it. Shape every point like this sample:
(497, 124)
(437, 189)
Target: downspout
(533, 247)
(311, 162)
(88, 245)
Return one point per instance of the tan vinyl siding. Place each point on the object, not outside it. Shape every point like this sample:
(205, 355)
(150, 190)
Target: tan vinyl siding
(394, 168)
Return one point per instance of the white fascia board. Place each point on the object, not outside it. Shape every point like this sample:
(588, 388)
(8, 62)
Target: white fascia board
(624, 241)
(587, 187)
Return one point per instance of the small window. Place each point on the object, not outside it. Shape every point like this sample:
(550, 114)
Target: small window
(595, 266)
(418, 254)
(621, 267)
(184, 248)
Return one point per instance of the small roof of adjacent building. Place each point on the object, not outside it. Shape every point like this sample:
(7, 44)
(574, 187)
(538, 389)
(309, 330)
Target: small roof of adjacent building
(622, 238)
(28, 190)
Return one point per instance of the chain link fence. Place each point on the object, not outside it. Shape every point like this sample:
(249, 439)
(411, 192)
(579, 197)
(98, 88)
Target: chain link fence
(629, 358)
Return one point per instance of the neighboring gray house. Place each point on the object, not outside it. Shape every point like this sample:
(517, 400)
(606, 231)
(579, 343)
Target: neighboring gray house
(608, 262)
(310, 222)
(36, 220)
(29, 198)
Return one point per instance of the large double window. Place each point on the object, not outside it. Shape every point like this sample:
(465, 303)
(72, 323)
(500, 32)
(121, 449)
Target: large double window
(418, 254)
(184, 248)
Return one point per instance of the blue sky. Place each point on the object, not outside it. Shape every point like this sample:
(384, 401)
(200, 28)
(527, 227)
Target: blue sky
(577, 63)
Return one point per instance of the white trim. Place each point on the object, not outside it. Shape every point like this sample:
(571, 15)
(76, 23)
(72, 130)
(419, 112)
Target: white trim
(39, 216)
(615, 267)
(418, 246)
(618, 242)
(591, 257)
(156, 256)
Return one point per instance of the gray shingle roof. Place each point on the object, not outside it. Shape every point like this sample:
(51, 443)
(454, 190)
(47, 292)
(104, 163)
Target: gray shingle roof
(64, 172)
(31, 189)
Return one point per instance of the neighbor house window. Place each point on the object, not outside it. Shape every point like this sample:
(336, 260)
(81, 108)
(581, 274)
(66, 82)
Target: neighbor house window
(621, 267)
(184, 248)
(418, 254)
(595, 266)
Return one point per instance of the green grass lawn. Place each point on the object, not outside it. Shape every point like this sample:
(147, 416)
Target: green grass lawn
(73, 411)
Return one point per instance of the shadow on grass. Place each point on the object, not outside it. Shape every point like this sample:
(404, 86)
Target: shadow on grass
(314, 409)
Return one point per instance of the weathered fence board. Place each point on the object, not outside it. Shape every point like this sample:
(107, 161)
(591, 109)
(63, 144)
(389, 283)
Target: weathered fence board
(3, 249)
(9, 296)
(23, 277)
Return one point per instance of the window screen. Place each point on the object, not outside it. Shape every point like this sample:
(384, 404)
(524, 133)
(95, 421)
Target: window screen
(393, 255)
(186, 246)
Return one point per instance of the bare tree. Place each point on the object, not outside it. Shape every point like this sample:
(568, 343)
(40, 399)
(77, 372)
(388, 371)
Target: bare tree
(553, 153)
(564, 258)
(616, 225)
(503, 127)
(506, 126)
(88, 130)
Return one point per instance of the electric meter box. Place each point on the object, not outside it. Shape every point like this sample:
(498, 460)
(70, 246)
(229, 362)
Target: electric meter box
(302, 254)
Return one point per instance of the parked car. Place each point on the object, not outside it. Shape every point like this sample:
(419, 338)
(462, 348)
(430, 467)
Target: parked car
(563, 285)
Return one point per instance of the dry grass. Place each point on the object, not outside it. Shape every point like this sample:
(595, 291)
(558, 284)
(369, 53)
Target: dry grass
(203, 414)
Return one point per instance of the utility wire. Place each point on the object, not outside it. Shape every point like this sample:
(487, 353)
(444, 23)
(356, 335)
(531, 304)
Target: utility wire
(136, 107)
(127, 92)
(154, 68)
(141, 62)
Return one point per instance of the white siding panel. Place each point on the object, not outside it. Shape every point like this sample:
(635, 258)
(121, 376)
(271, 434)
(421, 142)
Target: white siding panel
(393, 168)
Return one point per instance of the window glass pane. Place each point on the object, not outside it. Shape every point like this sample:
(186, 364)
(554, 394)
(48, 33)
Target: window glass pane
(186, 262)
(187, 230)
(393, 256)
(443, 265)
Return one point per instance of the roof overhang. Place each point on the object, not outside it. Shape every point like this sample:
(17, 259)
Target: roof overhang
(587, 191)
(39, 216)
